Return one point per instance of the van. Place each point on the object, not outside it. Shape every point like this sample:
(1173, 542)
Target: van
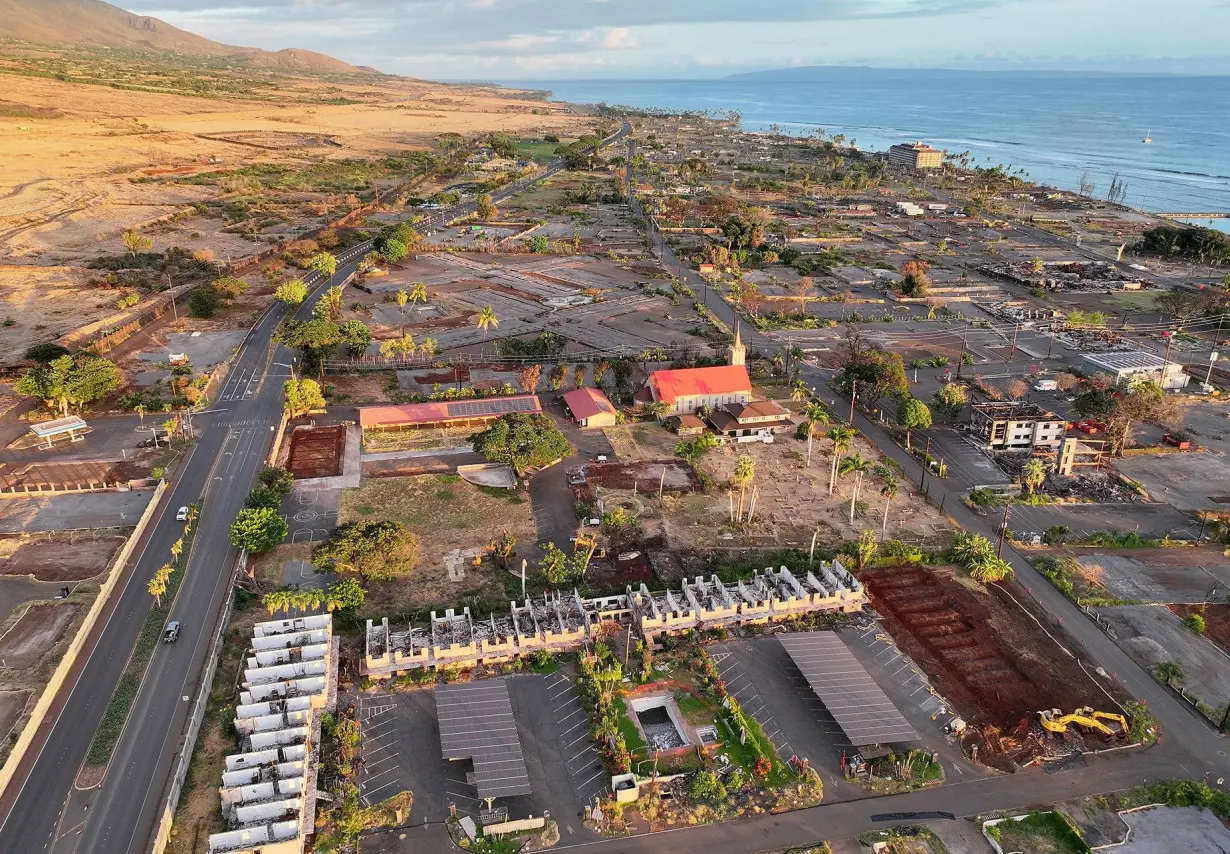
(1046, 385)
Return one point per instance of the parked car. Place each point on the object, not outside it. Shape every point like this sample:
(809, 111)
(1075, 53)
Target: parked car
(1180, 442)
(182, 515)
(171, 633)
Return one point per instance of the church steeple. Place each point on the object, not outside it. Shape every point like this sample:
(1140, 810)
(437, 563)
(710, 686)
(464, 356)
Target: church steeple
(738, 353)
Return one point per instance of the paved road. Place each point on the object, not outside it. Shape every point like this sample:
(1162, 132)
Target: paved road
(43, 810)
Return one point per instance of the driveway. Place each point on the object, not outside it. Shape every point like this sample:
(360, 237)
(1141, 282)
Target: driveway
(550, 494)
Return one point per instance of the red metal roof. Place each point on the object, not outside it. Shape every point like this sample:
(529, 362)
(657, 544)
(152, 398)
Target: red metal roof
(438, 411)
(587, 402)
(695, 382)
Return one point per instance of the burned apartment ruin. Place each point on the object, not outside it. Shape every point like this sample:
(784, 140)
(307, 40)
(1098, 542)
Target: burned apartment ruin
(560, 622)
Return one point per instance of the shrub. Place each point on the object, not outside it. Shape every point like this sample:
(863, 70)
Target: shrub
(204, 302)
(1195, 622)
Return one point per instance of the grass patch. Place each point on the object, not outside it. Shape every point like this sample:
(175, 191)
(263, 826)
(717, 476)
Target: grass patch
(1040, 833)
(695, 710)
(111, 727)
(631, 734)
(1066, 576)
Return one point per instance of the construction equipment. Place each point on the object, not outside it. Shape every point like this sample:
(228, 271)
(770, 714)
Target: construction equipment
(1105, 723)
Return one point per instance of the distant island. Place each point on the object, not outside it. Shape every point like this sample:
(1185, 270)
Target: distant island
(805, 73)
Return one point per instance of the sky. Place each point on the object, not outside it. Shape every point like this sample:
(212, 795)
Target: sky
(495, 40)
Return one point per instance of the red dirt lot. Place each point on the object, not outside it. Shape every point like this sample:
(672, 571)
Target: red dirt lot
(58, 560)
(985, 654)
(34, 635)
(644, 475)
(77, 475)
(316, 451)
(12, 704)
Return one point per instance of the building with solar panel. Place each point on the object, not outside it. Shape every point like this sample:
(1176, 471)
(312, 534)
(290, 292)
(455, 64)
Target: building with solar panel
(444, 414)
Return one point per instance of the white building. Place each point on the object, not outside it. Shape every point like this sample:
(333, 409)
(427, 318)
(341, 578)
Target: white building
(1016, 426)
(268, 790)
(1133, 364)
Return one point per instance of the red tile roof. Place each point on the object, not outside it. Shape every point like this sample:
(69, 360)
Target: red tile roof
(587, 402)
(438, 411)
(695, 382)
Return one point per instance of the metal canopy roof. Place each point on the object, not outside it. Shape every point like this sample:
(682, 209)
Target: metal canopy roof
(856, 702)
(60, 425)
(476, 722)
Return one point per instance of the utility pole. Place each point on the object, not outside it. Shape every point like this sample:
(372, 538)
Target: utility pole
(1213, 355)
(1051, 344)
(926, 464)
(853, 397)
(1003, 531)
(1015, 330)
(961, 361)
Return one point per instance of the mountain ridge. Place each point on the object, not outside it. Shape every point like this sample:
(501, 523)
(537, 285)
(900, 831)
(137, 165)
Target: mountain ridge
(96, 23)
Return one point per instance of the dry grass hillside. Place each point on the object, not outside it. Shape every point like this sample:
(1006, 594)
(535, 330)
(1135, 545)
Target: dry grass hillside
(98, 24)
(205, 157)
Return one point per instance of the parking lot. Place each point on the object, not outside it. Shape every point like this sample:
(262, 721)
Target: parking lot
(400, 749)
(1149, 520)
(70, 512)
(761, 676)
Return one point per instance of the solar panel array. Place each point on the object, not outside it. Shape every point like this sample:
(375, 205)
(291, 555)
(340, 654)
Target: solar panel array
(481, 408)
(856, 702)
(476, 722)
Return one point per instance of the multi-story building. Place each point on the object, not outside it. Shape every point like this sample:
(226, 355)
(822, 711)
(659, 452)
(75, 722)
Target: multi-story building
(1135, 364)
(1016, 426)
(915, 155)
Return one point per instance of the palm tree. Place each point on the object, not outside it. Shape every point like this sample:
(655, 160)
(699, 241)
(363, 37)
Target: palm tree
(841, 437)
(402, 299)
(815, 415)
(487, 319)
(857, 465)
(1033, 475)
(745, 472)
(889, 491)
(418, 293)
(798, 391)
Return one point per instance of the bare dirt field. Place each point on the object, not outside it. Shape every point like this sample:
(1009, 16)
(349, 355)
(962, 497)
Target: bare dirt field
(1216, 621)
(316, 451)
(12, 705)
(983, 652)
(453, 520)
(33, 636)
(69, 475)
(58, 560)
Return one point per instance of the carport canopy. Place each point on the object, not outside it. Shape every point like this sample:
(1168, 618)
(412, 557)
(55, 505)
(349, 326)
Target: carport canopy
(48, 431)
(856, 702)
(476, 722)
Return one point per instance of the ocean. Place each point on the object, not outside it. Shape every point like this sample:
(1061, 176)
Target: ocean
(1053, 125)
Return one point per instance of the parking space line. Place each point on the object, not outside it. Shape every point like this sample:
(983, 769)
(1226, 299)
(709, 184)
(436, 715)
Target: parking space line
(587, 749)
(592, 779)
(377, 776)
(552, 697)
(573, 727)
(561, 723)
(569, 704)
(390, 758)
(575, 740)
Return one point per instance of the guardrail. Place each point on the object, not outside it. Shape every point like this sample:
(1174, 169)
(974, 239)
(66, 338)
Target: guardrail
(187, 747)
(69, 660)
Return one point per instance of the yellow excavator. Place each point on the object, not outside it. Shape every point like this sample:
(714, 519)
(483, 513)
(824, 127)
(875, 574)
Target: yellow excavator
(1106, 723)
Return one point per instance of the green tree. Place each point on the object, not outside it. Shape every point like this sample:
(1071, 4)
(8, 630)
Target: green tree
(950, 400)
(324, 263)
(135, 242)
(356, 336)
(521, 442)
(229, 288)
(394, 251)
(815, 416)
(554, 565)
(1055, 535)
(329, 307)
(314, 339)
(857, 465)
(696, 447)
(863, 550)
(1033, 475)
(203, 302)
(69, 381)
(278, 479)
(502, 144)
(485, 207)
(578, 376)
(398, 348)
(258, 529)
(539, 244)
(303, 396)
(799, 391)
(375, 551)
(291, 293)
(555, 380)
(262, 496)
(418, 293)
(1195, 622)
(487, 320)
(345, 593)
(157, 585)
(871, 373)
(913, 414)
(708, 787)
(44, 353)
(841, 437)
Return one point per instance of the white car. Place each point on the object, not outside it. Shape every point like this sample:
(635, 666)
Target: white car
(182, 515)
